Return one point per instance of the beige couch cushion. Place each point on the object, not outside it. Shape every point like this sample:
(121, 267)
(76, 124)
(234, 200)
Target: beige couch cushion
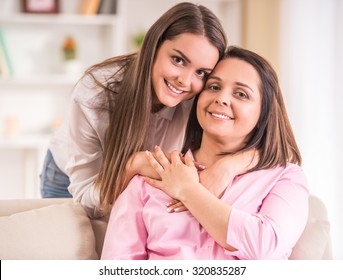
(60, 231)
(315, 242)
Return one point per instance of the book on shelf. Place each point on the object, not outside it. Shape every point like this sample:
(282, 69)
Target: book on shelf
(6, 69)
(108, 7)
(89, 7)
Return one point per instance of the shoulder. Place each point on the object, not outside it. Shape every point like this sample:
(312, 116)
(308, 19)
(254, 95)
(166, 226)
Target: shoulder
(293, 170)
(138, 188)
(290, 169)
(296, 174)
(88, 89)
(289, 175)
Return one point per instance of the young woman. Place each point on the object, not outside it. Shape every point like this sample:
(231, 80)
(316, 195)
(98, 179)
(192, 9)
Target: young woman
(263, 209)
(130, 103)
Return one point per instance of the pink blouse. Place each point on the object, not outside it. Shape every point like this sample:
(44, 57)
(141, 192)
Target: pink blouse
(269, 213)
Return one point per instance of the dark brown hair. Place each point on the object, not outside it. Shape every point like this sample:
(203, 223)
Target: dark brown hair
(273, 136)
(130, 99)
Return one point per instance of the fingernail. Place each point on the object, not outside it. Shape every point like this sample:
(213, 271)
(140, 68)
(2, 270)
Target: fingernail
(201, 167)
(177, 209)
(169, 210)
(189, 153)
(168, 204)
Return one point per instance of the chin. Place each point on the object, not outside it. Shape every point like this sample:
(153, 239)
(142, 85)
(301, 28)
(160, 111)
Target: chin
(170, 103)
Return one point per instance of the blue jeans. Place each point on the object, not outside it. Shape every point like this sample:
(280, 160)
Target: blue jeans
(53, 182)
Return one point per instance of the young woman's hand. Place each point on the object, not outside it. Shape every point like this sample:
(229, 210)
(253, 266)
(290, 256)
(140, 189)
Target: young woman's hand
(219, 176)
(176, 174)
(139, 164)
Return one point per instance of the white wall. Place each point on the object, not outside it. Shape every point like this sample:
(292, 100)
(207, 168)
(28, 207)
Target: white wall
(311, 63)
(228, 11)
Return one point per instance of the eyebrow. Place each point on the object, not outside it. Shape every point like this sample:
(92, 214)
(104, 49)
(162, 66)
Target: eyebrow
(238, 83)
(188, 60)
(214, 78)
(244, 85)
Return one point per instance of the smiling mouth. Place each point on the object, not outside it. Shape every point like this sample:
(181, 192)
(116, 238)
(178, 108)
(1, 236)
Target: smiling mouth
(174, 90)
(221, 116)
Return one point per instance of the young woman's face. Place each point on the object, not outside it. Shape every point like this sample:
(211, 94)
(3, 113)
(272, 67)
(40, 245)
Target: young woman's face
(181, 68)
(230, 105)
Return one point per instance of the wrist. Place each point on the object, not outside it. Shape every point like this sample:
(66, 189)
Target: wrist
(132, 166)
(187, 194)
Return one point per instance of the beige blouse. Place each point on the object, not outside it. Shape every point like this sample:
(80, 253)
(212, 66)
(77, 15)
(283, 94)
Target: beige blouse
(77, 147)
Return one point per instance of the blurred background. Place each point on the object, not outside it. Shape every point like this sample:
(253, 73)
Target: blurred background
(46, 44)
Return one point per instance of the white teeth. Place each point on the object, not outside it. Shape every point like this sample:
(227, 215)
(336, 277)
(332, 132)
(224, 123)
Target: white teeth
(174, 89)
(221, 116)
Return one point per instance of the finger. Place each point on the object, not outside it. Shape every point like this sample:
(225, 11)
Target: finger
(199, 166)
(172, 202)
(176, 207)
(181, 209)
(161, 157)
(154, 163)
(189, 160)
(175, 157)
(152, 182)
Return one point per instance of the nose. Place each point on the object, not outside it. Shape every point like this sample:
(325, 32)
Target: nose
(184, 79)
(222, 99)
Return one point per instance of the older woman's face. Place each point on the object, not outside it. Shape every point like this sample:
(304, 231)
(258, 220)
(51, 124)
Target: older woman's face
(230, 105)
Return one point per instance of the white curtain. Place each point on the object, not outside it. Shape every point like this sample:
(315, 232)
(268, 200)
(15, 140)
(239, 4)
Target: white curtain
(311, 74)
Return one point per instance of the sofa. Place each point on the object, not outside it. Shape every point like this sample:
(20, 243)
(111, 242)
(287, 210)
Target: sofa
(58, 229)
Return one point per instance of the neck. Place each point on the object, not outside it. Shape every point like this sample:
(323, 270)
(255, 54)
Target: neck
(207, 154)
(157, 107)
(211, 151)
(156, 104)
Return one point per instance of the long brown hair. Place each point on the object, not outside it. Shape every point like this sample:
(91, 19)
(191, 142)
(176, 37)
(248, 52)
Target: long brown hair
(273, 136)
(130, 98)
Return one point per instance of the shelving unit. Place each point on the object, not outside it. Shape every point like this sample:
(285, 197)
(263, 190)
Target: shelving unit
(66, 19)
(35, 44)
(36, 95)
(97, 37)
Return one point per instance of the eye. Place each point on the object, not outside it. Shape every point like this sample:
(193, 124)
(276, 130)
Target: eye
(202, 74)
(178, 60)
(242, 95)
(213, 87)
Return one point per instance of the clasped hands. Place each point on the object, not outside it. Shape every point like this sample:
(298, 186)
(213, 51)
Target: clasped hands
(178, 172)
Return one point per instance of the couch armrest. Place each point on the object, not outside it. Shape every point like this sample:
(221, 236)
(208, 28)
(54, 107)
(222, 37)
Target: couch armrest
(45, 229)
(315, 241)
(12, 206)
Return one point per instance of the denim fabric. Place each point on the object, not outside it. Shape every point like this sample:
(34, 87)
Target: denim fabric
(53, 182)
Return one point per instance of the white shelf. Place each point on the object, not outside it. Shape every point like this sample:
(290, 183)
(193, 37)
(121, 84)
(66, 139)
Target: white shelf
(105, 31)
(40, 80)
(64, 19)
(30, 141)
